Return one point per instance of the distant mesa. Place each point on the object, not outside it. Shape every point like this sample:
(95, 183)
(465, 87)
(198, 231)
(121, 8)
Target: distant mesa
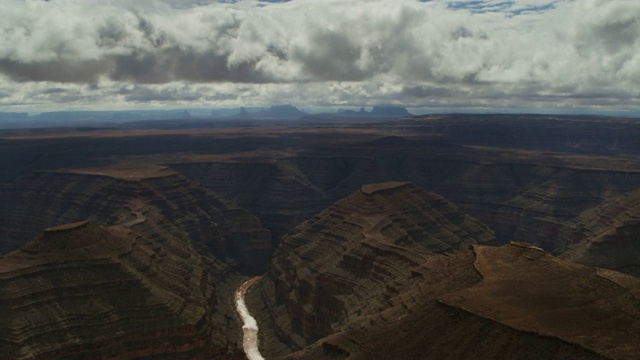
(347, 112)
(285, 111)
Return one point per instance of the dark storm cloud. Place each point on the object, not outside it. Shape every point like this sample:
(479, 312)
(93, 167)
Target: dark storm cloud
(331, 56)
(55, 70)
(173, 64)
(425, 91)
(146, 94)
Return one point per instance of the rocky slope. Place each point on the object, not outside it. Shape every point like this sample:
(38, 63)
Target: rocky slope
(512, 302)
(608, 236)
(154, 279)
(48, 198)
(375, 277)
(84, 291)
(354, 257)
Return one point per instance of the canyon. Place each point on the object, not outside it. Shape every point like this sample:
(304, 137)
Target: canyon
(365, 230)
(378, 277)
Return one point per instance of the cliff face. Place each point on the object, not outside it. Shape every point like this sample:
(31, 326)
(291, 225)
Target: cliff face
(520, 199)
(50, 198)
(85, 291)
(354, 257)
(513, 302)
(278, 193)
(608, 236)
(387, 273)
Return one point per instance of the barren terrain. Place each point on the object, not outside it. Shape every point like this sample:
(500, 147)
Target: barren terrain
(347, 263)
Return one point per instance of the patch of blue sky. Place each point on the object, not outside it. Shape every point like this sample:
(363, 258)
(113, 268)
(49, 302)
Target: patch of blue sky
(534, 9)
(508, 6)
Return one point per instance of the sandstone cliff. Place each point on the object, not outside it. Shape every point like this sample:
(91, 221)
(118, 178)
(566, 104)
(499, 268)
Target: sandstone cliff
(387, 273)
(356, 256)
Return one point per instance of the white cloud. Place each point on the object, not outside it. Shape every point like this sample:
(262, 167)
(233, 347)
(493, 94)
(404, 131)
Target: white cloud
(521, 54)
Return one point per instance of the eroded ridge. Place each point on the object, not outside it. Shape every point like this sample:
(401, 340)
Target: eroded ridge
(357, 255)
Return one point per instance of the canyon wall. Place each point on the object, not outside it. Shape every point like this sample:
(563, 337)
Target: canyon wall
(46, 199)
(151, 275)
(84, 291)
(525, 200)
(388, 272)
(352, 258)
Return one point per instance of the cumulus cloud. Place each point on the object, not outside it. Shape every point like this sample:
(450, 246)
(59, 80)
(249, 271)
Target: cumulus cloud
(479, 54)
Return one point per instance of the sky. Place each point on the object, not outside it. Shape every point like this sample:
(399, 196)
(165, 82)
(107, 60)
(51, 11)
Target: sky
(563, 56)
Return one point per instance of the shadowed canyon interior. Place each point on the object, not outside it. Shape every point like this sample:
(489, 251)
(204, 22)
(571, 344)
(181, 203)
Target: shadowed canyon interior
(435, 237)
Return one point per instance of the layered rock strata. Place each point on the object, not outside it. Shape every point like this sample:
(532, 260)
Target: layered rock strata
(49, 198)
(529, 197)
(608, 235)
(355, 257)
(155, 279)
(83, 291)
(277, 193)
(374, 277)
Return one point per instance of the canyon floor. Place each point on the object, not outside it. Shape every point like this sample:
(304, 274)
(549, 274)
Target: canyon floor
(432, 237)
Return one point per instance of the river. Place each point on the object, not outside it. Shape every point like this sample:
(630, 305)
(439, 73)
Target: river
(250, 326)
